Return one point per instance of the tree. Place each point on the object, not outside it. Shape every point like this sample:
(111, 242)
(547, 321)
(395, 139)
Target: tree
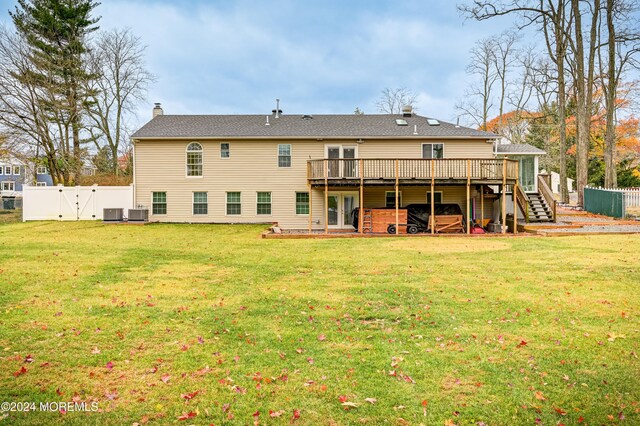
(117, 60)
(550, 16)
(391, 101)
(358, 111)
(479, 97)
(56, 33)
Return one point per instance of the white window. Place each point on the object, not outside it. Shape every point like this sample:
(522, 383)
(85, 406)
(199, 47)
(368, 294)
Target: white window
(8, 186)
(437, 197)
(224, 150)
(7, 170)
(234, 205)
(432, 150)
(194, 159)
(200, 204)
(42, 170)
(284, 155)
(1, 169)
(16, 170)
(159, 203)
(390, 199)
(264, 203)
(41, 183)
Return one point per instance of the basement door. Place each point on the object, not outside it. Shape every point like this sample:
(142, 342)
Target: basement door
(340, 209)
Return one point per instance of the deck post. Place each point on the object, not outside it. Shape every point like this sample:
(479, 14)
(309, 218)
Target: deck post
(468, 197)
(397, 207)
(515, 200)
(504, 195)
(482, 206)
(310, 207)
(433, 198)
(361, 202)
(326, 197)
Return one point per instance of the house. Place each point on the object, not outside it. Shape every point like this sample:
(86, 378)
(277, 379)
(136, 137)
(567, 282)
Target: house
(15, 173)
(311, 171)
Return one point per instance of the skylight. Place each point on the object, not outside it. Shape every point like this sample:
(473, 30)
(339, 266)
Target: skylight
(433, 122)
(401, 122)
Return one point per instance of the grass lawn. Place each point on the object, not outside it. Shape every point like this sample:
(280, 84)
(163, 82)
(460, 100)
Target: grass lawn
(214, 325)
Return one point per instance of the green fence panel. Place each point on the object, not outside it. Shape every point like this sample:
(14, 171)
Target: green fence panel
(601, 201)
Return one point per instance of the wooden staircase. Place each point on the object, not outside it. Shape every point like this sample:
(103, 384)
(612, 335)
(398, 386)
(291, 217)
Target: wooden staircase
(537, 207)
(539, 210)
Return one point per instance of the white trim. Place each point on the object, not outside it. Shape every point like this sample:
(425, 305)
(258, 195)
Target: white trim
(435, 192)
(166, 202)
(186, 160)
(41, 183)
(290, 157)
(340, 195)
(42, 170)
(432, 143)
(7, 170)
(2, 185)
(226, 203)
(228, 151)
(295, 203)
(341, 147)
(270, 204)
(399, 199)
(14, 170)
(193, 204)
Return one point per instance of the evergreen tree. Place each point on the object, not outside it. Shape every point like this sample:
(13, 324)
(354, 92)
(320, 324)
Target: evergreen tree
(56, 31)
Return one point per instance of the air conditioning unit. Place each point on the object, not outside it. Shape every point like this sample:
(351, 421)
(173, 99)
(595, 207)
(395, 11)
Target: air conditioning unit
(112, 215)
(138, 215)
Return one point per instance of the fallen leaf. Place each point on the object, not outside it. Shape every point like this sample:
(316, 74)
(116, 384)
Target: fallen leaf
(322, 337)
(296, 415)
(342, 398)
(28, 359)
(186, 416)
(349, 404)
(276, 413)
(189, 396)
(540, 396)
(559, 411)
(165, 378)
(109, 365)
(20, 372)
(522, 343)
(371, 400)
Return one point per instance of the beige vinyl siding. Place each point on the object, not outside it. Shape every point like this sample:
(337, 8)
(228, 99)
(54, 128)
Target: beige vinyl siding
(413, 149)
(253, 167)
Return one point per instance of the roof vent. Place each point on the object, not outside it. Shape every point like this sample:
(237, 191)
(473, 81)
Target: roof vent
(433, 122)
(407, 110)
(401, 122)
(307, 117)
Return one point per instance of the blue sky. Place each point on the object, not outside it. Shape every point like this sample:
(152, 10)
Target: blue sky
(226, 57)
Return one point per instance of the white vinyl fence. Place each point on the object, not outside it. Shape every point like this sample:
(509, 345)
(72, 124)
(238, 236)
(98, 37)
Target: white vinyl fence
(631, 197)
(73, 202)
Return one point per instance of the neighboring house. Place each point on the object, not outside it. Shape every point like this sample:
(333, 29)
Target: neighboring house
(309, 171)
(14, 174)
(555, 183)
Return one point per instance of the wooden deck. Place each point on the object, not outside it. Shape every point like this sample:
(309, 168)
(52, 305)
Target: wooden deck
(411, 172)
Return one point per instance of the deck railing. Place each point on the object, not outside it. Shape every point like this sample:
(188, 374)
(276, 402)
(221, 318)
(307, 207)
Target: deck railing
(448, 168)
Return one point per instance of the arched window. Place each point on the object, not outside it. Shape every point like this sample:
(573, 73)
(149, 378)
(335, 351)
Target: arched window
(194, 159)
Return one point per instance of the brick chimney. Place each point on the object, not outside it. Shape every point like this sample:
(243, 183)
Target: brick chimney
(157, 110)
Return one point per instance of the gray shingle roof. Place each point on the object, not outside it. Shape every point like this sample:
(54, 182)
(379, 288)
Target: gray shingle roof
(320, 126)
(518, 148)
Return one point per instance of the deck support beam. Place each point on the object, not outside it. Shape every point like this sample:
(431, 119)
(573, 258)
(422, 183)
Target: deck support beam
(433, 197)
(516, 187)
(310, 208)
(482, 206)
(468, 197)
(397, 207)
(504, 196)
(326, 197)
(361, 201)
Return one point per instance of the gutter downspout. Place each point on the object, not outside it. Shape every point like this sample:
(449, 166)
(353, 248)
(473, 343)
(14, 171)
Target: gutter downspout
(133, 160)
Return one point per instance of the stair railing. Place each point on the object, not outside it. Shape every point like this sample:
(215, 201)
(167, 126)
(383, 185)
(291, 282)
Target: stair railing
(547, 194)
(523, 202)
